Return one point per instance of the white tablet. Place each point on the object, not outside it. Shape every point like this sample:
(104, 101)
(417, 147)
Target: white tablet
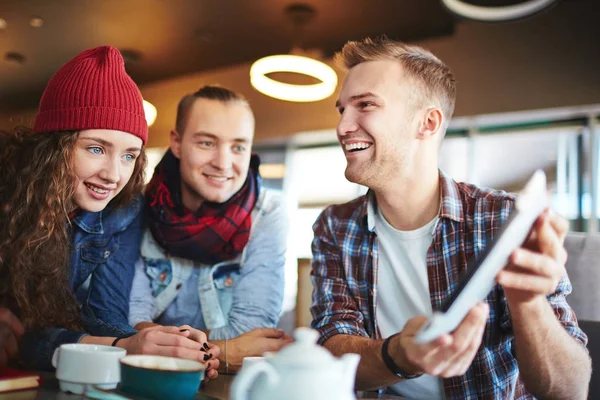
(480, 276)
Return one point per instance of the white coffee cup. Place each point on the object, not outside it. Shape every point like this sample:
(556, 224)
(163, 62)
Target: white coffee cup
(78, 365)
(246, 361)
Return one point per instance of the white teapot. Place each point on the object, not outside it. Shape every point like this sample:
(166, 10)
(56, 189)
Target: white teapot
(300, 371)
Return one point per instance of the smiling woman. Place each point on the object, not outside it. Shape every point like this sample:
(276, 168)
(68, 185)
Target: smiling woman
(50, 179)
(103, 162)
(71, 223)
(80, 158)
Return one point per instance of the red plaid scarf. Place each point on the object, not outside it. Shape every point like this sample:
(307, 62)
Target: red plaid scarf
(215, 233)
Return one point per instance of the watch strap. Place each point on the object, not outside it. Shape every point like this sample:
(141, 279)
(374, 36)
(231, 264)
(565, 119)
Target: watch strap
(391, 364)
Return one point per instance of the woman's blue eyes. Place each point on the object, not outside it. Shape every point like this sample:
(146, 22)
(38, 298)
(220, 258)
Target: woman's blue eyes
(95, 150)
(99, 151)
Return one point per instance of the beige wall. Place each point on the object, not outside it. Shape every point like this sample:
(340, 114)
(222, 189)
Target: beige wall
(551, 60)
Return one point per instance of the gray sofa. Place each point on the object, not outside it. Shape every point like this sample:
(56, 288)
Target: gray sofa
(583, 267)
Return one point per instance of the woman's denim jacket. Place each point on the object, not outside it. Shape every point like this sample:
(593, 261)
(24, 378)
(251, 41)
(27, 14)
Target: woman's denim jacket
(235, 296)
(106, 245)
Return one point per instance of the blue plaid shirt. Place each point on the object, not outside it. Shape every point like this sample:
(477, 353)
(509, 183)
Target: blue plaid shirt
(344, 275)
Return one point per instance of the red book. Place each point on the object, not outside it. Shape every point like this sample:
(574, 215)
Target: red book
(14, 379)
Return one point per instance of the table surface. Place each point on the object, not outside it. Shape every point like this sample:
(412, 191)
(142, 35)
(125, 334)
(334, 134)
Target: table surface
(217, 389)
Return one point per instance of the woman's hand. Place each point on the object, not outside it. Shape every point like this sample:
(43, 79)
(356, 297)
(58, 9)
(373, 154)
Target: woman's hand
(171, 341)
(212, 350)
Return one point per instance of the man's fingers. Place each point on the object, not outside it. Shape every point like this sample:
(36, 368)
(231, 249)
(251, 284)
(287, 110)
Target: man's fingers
(461, 362)
(287, 338)
(550, 241)
(526, 282)
(420, 355)
(417, 352)
(462, 338)
(413, 325)
(560, 225)
(273, 345)
(531, 241)
(536, 263)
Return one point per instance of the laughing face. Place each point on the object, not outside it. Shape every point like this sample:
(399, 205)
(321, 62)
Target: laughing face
(214, 151)
(103, 162)
(377, 122)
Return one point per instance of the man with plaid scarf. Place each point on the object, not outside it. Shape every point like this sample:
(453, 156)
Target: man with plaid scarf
(213, 254)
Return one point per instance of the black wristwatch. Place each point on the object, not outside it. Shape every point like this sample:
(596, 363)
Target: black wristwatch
(389, 362)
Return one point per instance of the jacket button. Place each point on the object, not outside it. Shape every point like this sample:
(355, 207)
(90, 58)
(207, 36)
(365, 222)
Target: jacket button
(106, 253)
(178, 286)
(228, 281)
(163, 276)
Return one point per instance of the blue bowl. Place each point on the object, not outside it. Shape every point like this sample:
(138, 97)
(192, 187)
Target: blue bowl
(158, 377)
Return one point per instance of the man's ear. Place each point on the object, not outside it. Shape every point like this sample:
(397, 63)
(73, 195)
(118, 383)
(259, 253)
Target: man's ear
(431, 124)
(175, 142)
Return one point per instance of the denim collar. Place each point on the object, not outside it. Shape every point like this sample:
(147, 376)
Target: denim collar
(113, 219)
(90, 222)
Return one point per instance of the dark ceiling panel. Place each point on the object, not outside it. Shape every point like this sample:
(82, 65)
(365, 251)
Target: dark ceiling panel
(176, 37)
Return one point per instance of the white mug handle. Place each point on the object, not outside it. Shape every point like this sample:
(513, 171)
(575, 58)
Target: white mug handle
(55, 357)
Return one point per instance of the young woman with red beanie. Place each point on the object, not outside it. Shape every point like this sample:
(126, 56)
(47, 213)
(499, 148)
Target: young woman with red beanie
(70, 221)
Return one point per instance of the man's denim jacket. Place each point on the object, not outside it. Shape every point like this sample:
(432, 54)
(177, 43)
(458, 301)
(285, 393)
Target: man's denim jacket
(235, 296)
(106, 245)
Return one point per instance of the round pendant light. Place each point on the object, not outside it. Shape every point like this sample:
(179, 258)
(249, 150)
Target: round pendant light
(497, 13)
(149, 112)
(299, 61)
(294, 64)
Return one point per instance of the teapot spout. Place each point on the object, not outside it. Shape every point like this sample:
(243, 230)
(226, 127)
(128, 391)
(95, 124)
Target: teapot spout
(349, 365)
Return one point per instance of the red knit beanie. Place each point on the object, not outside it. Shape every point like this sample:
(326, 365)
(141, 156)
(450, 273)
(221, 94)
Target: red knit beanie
(92, 91)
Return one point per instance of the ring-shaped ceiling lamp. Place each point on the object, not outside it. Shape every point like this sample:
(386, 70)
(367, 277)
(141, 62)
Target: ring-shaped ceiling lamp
(149, 112)
(497, 13)
(294, 64)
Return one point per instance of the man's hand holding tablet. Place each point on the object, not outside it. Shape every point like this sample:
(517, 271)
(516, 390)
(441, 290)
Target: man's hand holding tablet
(481, 273)
(530, 246)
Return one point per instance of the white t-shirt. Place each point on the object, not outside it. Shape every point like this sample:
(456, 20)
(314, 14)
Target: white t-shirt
(403, 292)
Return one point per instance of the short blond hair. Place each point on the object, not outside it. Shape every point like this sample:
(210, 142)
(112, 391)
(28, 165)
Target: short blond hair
(428, 71)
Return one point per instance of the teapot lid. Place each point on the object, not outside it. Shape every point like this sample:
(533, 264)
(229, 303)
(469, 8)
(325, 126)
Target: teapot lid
(304, 351)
